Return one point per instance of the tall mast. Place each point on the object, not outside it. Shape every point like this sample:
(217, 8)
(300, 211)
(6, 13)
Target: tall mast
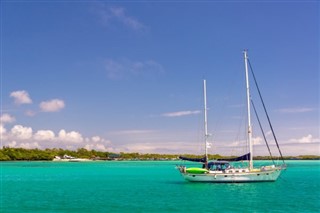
(248, 108)
(205, 121)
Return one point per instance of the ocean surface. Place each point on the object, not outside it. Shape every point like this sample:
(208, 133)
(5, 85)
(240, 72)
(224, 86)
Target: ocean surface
(149, 186)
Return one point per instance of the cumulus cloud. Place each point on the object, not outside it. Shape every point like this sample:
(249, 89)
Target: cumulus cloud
(53, 105)
(6, 118)
(73, 136)
(181, 113)
(21, 97)
(12, 144)
(33, 145)
(98, 147)
(44, 135)
(2, 130)
(123, 68)
(20, 132)
(25, 137)
(98, 143)
(96, 139)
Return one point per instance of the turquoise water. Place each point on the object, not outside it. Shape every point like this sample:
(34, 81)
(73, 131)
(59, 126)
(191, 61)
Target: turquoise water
(149, 187)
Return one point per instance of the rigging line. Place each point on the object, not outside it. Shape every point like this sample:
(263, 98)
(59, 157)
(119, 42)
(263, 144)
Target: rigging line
(265, 110)
(264, 136)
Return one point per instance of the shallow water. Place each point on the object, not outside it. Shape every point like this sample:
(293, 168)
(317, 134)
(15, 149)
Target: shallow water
(152, 186)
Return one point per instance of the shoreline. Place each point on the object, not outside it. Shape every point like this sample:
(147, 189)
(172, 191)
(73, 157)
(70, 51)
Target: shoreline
(21, 154)
(85, 160)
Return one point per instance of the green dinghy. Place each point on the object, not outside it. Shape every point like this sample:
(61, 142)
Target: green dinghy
(196, 171)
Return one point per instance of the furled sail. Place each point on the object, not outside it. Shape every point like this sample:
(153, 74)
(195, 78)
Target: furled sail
(243, 157)
(203, 160)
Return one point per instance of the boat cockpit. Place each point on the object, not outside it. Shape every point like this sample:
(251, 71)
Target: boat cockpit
(219, 165)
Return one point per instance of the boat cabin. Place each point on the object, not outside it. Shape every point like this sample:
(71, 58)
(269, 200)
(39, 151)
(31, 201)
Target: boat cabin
(218, 165)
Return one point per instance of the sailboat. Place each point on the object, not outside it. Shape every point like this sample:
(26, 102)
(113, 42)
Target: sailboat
(222, 170)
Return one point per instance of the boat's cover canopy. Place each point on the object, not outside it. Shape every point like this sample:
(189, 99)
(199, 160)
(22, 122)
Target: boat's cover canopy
(203, 160)
(243, 157)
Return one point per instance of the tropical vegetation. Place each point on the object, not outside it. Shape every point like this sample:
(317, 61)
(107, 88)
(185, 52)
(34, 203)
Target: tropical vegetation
(18, 154)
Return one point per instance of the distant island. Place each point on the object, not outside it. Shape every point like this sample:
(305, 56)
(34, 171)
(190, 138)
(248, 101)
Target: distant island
(21, 154)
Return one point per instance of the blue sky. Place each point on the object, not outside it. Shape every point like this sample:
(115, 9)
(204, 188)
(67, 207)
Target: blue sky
(126, 76)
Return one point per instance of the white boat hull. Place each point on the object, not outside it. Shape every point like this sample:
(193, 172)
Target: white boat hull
(244, 177)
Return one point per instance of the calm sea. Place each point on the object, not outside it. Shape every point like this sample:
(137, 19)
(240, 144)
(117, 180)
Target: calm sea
(149, 187)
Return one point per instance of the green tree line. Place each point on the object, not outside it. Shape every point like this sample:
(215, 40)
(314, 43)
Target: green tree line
(17, 154)
(12, 154)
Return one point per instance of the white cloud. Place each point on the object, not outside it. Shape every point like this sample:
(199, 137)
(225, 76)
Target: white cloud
(123, 68)
(21, 97)
(98, 143)
(21, 136)
(44, 135)
(133, 132)
(96, 139)
(12, 144)
(33, 145)
(181, 113)
(166, 147)
(53, 105)
(257, 141)
(243, 143)
(110, 15)
(296, 110)
(142, 147)
(6, 118)
(268, 133)
(305, 139)
(98, 147)
(234, 144)
(20, 132)
(73, 136)
(2, 130)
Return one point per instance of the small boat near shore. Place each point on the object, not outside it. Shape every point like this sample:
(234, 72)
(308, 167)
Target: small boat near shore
(67, 158)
